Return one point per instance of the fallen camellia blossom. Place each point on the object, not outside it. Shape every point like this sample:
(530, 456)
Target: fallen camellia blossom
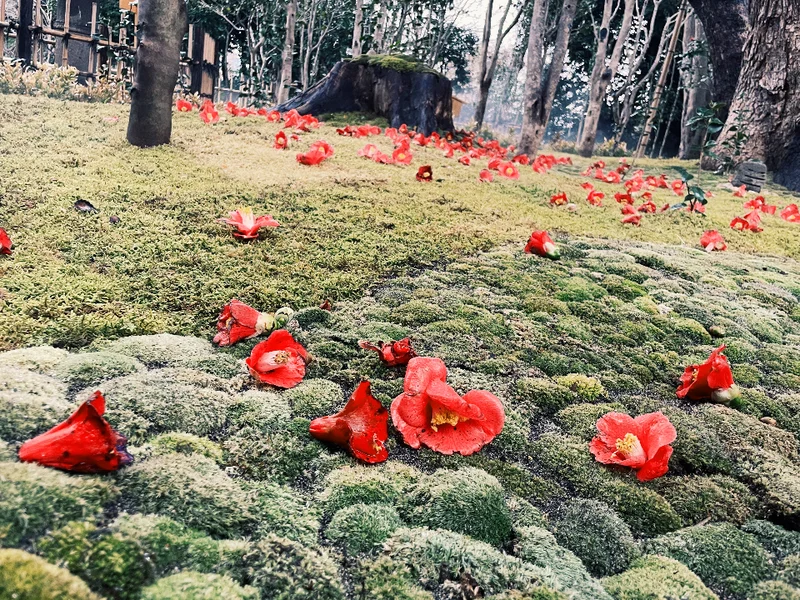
(183, 105)
(392, 353)
(247, 224)
(237, 321)
(368, 151)
(319, 151)
(279, 360)
(632, 220)
(208, 113)
(712, 240)
(791, 214)
(712, 380)
(559, 199)
(362, 426)
(464, 160)
(281, 142)
(678, 187)
(273, 116)
(623, 198)
(84, 443)
(595, 198)
(486, 176)
(740, 191)
(429, 412)
(5, 242)
(425, 173)
(508, 170)
(648, 207)
(540, 243)
(642, 444)
(401, 156)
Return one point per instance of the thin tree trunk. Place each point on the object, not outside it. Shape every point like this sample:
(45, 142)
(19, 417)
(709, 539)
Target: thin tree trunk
(540, 87)
(602, 74)
(725, 25)
(162, 25)
(288, 53)
(767, 101)
(696, 92)
(380, 29)
(357, 23)
(483, 62)
(671, 115)
(662, 80)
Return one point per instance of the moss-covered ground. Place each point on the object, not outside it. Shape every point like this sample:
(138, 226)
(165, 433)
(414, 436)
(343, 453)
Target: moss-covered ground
(229, 497)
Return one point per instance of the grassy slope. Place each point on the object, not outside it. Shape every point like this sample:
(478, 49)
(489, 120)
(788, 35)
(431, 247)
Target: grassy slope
(168, 266)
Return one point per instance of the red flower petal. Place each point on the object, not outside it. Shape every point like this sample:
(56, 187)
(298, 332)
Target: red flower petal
(279, 360)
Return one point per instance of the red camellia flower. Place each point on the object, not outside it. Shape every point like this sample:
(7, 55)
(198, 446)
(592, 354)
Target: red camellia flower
(183, 105)
(208, 113)
(521, 159)
(634, 185)
(238, 322)
(740, 191)
(247, 224)
(281, 143)
(84, 443)
(5, 242)
(540, 243)
(632, 220)
(713, 380)
(587, 186)
(559, 199)
(740, 224)
(401, 156)
(790, 214)
(642, 444)
(648, 207)
(487, 176)
(314, 156)
(392, 353)
(362, 426)
(679, 187)
(595, 198)
(508, 170)
(628, 209)
(464, 160)
(626, 198)
(612, 177)
(756, 202)
(368, 151)
(712, 240)
(273, 116)
(494, 163)
(279, 360)
(429, 412)
(425, 173)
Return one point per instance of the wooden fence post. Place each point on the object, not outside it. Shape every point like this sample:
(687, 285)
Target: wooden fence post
(24, 33)
(3, 26)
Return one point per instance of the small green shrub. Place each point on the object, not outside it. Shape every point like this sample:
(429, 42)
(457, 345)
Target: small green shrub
(361, 527)
(468, 501)
(24, 576)
(728, 560)
(657, 578)
(189, 585)
(595, 533)
(34, 499)
(388, 579)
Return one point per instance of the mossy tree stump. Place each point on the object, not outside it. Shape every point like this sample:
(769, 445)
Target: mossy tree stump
(395, 87)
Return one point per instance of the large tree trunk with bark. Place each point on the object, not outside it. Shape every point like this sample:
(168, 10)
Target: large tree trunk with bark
(419, 99)
(766, 106)
(162, 25)
(288, 52)
(696, 91)
(602, 74)
(725, 26)
(541, 85)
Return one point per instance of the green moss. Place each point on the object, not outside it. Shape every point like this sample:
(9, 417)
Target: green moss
(545, 394)
(516, 431)
(516, 479)
(28, 577)
(186, 443)
(545, 304)
(775, 539)
(538, 547)
(524, 514)
(728, 560)
(568, 459)
(225, 557)
(597, 535)
(775, 590)
(42, 359)
(435, 555)
(417, 312)
(189, 585)
(190, 489)
(468, 501)
(618, 382)
(165, 542)
(34, 499)
(717, 498)
(657, 578)
(387, 484)
(697, 447)
(790, 570)
(746, 375)
(307, 317)
(265, 411)
(285, 570)
(144, 404)
(542, 593)
(315, 398)
(282, 511)
(622, 288)
(31, 403)
(362, 527)
(581, 419)
(585, 388)
(687, 331)
(81, 370)
(402, 63)
(578, 289)
(388, 579)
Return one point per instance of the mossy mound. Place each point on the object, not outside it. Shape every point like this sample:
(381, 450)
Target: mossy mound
(362, 527)
(25, 576)
(189, 585)
(90, 368)
(657, 578)
(30, 403)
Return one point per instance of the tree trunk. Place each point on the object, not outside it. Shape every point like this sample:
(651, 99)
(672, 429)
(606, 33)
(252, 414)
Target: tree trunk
(483, 62)
(162, 25)
(357, 22)
(602, 74)
(380, 29)
(725, 25)
(696, 92)
(767, 100)
(288, 53)
(540, 88)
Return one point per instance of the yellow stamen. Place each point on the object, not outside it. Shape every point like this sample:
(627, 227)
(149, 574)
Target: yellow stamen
(626, 445)
(281, 357)
(444, 416)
